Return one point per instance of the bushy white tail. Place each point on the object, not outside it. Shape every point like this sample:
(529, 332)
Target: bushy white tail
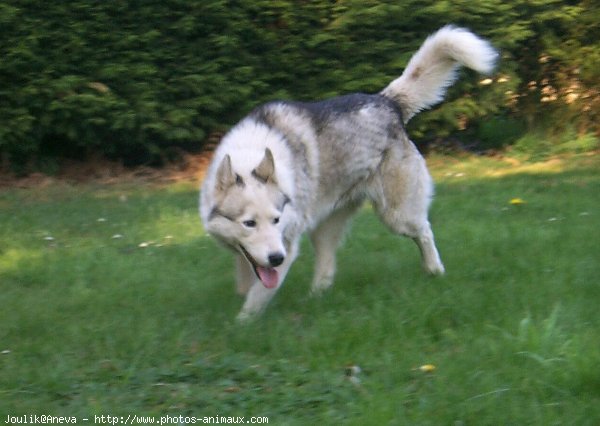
(433, 68)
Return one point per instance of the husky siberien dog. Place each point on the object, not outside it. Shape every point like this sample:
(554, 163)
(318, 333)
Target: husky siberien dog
(291, 167)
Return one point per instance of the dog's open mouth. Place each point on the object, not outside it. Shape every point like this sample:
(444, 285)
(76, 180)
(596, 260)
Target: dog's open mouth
(268, 276)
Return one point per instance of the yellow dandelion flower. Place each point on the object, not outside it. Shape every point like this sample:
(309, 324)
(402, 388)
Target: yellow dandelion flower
(517, 201)
(427, 368)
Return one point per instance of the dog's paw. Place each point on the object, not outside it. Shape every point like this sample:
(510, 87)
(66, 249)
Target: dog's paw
(245, 317)
(318, 291)
(436, 269)
(320, 286)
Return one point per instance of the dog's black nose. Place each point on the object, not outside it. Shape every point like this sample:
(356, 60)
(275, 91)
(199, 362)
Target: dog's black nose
(276, 259)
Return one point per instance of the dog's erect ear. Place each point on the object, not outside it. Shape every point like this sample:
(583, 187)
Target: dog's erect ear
(225, 175)
(265, 172)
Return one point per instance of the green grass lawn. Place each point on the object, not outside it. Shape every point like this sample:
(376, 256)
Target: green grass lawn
(114, 302)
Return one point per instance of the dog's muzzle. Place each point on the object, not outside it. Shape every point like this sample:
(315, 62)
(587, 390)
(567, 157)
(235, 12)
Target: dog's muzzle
(267, 275)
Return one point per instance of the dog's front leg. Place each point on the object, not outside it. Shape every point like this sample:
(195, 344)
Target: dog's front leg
(256, 301)
(244, 276)
(325, 239)
(258, 297)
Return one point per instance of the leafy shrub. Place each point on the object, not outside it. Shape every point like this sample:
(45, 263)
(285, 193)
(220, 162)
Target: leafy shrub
(499, 132)
(132, 80)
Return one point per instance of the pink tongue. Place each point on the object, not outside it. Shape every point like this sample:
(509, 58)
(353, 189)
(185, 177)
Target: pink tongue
(268, 276)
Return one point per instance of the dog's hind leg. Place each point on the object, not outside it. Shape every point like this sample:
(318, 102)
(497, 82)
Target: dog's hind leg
(326, 238)
(401, 196)
(258, 296)
(431, 258)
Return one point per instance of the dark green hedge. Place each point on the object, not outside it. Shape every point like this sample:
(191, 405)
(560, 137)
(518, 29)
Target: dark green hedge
(135, 80)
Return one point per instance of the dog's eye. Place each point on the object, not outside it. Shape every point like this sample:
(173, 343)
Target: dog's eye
(249, 223)
(276, 221)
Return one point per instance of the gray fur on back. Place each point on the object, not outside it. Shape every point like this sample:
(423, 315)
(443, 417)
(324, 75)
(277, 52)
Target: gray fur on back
(353, 134)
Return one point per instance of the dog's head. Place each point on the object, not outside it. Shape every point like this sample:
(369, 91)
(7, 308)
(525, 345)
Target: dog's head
(247, 215)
